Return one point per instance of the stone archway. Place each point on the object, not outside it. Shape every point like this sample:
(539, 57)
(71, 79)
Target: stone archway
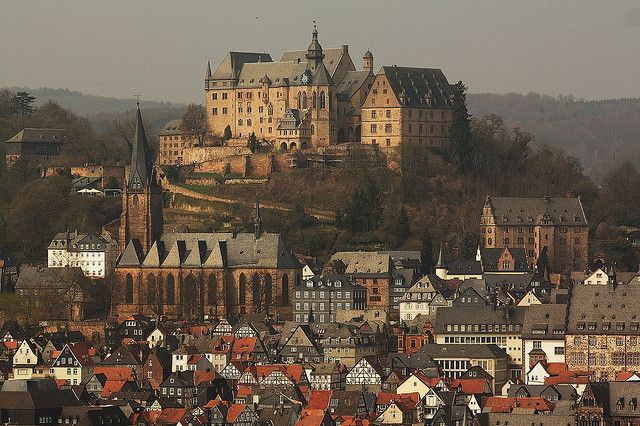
(293, 145)
(283, 147)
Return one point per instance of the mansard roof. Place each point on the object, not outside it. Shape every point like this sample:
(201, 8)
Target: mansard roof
(419, 87)
(214, 250)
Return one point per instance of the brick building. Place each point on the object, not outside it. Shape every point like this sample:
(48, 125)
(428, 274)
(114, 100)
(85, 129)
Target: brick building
(557, 225)
(189, 275)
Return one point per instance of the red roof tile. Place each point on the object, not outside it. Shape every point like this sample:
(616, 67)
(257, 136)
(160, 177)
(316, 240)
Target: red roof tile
(319, 399)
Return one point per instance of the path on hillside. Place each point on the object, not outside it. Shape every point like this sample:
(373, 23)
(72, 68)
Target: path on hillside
(321, 215)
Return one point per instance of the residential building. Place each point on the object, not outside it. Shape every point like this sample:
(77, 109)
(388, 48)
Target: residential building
(25, 359)
(318, 298)
(425, 297)
(95, 254)
(347, 343)
(411, 105)
(74, 364)
(368, 372)
(300, 346)
(603, 327)
(173, 142)
(36, 144)
(609, 403)
(555, 226)
(454, 360)
(543, 333)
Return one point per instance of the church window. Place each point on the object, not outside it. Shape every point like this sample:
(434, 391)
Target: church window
(314, 101)
(284, 294)
(242, 289)
(152, 289)
(304, 100)
(135, 197)
(170, 290)
(299, 103)
(322, 101)
(268, 290)
(313, 129)
(255, 290)
(128, 290)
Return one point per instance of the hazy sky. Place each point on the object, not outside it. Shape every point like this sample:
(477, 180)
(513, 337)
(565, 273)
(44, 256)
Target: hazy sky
(589, 49)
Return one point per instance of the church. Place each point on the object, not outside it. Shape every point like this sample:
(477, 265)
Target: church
(191, 275)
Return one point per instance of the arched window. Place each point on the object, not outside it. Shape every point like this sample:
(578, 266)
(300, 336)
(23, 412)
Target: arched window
(268, 289)
(255, 290)
(299, 103)
(128, 289)
(212, 290)
(135, 201)
(170, 290)
(313, 129)
(284, 295)
(304, 100)
(314, 101)
(242, 290)
(152, 289)
(322, 101)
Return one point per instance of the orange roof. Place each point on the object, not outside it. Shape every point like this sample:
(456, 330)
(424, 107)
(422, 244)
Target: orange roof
(112, 386)
(556, 368)
(244, 344)
(60, 383)
(352, 421)
(203, 376)
(215, 403)
(319, 399)
(409, 400)
(171, 415)
(194, 359)
(114, 372)
(310, 417)
(505, 405)
(11, 345)
(244, 391)
(566, 380)
(199, 330)
(471, 386)
(234, 412)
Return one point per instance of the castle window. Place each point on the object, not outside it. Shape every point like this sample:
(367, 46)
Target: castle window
(240, 122)
(224, 95)
(387, 128)
(374, 128)
(214, 96)
(322, 101)
(373, 113)
(388, 113)
(225, 110)
(215, 111)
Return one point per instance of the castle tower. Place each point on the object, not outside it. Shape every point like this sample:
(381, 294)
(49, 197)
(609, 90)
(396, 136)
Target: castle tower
(141, 218)
(367, 61)
(441, 269)
(314, 55)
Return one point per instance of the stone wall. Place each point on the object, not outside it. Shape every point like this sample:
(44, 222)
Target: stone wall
(198, 155)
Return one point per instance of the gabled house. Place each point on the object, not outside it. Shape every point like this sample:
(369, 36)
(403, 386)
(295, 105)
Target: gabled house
(300, 347)
(368, 371)
(25, 359)
(157, 367)
(74, 364)
(180, 388)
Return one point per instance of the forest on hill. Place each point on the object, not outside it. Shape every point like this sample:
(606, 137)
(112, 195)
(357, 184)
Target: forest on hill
(602, 134)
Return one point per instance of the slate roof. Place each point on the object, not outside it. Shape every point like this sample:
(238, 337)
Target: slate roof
(34, 277)
(39, 135)
(233, 63)
(417, 85)
(565, 392)
(510, 211)
(173, 127)
(464, 267)
(350, 83)
(437, 351)
(331, 58)
(214, 250)
(603, 309)
(141, 167)
(363, 262)
(544, 322)
(480, 315)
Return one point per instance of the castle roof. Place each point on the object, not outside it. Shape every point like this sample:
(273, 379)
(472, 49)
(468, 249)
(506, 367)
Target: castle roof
(350, 83)
(233, 63)
(331, 58)
(419, 87)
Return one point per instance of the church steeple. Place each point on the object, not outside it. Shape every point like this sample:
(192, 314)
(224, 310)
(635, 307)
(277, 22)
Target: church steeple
(141, 168)
(314, 55)
(257, 221)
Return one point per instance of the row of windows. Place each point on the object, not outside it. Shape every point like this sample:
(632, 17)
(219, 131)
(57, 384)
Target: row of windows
(483, 328)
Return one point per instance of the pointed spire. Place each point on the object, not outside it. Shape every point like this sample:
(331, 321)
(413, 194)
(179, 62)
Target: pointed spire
(141, 168)
(440, 259)
(208, 70)
(314, 51)
(257, 220)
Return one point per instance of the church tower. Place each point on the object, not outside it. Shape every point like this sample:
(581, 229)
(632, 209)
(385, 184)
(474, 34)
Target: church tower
(141, 219)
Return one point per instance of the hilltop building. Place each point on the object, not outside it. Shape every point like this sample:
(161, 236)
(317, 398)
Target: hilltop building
(189, 275)
(95, 254)
(317, 91)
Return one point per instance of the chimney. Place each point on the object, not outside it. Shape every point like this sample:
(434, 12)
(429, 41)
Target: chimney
(345, 48)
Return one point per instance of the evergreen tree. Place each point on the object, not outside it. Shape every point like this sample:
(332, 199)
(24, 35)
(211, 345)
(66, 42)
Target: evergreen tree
(426, 252)
(461, 136)
(311, 318)
(543, 261)
(253, 142)
(398, 229)
(364, 211)
(22, 104)
(227, 133)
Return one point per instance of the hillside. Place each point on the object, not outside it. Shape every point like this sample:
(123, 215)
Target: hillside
(602, 134)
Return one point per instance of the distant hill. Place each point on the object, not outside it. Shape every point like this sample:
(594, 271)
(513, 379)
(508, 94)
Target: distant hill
(602, 134)
(87, 105)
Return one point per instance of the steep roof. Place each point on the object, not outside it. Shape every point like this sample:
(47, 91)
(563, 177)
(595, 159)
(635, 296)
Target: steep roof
(141, 168)
(605, 309)
(351, 83)
(545, 322)
(34, 277)
(331, 59)
(519, 211)
(39, 135)
(490, 256)
(419, 87)
(173, 127)
(233, 63)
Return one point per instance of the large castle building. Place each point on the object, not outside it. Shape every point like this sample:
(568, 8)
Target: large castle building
(190, 275)
(310, 98)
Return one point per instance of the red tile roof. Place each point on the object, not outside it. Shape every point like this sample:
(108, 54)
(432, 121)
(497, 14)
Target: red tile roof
(171, 415)
(495, 404)
(319, 399)
(471, 386)
(115, 372)
(112, 386)
(310, 417)
(234, 412)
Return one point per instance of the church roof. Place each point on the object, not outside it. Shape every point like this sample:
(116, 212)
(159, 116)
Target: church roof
(331, 58)
(141, 168)
(417, 85)
(213, 250)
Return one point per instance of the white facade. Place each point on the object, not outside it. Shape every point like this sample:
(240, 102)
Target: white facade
(24, 361)
(553, 349)
(94, 254)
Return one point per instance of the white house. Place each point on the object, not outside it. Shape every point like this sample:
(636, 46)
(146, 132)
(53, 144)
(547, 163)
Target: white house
(424, 297)
(543, 335)
(73, 364)
(95, 254)
(25, 360)
(416, 382)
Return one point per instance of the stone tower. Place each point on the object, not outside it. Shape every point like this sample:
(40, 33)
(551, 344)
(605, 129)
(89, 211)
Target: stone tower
(141, 218)
(367, 61)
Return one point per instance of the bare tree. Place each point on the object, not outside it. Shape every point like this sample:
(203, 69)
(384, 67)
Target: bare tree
(194, 123)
